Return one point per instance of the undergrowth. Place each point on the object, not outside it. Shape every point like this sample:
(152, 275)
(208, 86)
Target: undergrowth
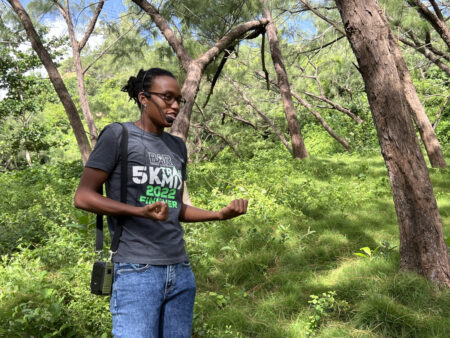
(286, 269)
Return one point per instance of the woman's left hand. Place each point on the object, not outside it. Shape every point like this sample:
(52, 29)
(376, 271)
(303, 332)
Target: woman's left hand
(235, 208)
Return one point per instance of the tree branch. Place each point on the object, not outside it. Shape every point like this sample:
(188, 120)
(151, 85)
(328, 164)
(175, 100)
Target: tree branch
(166, 31)
(323, 17)
(423, 50)
(438, 117)
(211, 131)
(437, 10)
(321, 120)
(260, 113)
(91, 26)
(110, 46)
(228, 38)
(438, 25)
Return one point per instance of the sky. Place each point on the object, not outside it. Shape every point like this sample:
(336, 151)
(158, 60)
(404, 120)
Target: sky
(113, 9)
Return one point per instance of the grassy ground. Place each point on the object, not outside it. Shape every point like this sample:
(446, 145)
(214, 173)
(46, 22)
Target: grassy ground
(259, 274)
(286, 269)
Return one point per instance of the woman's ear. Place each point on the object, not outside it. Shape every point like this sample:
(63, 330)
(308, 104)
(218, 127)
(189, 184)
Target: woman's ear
(142, 99)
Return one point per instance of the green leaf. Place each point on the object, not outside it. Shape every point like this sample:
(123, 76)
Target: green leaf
(360, 254)
(367, 250)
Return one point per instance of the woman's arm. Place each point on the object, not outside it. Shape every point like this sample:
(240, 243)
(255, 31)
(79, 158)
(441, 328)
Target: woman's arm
(189, 213)
(88, 198)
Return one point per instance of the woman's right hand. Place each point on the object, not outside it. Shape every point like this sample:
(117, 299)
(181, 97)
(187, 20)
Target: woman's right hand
(159, 211)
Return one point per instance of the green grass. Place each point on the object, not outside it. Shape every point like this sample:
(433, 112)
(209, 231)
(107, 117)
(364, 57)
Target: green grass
(306, 220)
(256, 273)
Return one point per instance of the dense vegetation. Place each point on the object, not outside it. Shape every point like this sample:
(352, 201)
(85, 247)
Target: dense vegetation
(317, 252)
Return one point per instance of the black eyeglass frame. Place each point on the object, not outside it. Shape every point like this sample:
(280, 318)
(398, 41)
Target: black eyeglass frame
(168, 98)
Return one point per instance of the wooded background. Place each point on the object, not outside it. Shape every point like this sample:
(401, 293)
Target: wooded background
(277, 94)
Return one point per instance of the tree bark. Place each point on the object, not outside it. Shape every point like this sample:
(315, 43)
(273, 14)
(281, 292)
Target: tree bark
(193, 68)
(422, 244)
(417, 111)
(56, 79)
(298, 145)
(429, 139)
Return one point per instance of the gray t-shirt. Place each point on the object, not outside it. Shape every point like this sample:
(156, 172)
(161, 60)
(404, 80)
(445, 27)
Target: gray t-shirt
(156, 171)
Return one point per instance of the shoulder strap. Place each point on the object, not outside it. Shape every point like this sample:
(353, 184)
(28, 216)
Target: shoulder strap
(123, 197)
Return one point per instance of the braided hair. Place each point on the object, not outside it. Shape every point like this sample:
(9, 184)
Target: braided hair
(143, 81)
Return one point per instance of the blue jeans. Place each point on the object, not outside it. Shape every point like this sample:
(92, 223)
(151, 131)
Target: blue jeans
(152, 300)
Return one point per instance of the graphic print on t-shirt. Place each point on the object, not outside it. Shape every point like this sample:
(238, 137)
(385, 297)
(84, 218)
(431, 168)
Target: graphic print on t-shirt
(162, 178)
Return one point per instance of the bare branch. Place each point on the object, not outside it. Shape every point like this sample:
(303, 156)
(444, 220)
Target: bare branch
(322, 46)
(111, 45)
(437, 10)
(211, 131)
(168, 33)
(438, 24)
(235, 115)
(323, 17)
(425, 51)
(308, 106)
(91, 26)
(260, 113)
(438, 117)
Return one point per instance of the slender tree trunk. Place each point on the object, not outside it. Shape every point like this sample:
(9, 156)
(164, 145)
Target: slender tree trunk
(81, 86)
(189, 90)
(28, 157)
(76, 51)
(56, 79)
(429, 139)
(298, 145)
(422, 244)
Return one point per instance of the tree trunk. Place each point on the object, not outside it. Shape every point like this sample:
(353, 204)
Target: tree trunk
(76, 49)
(422, 244)
(426, 131)
(298, 146)
(56, 79)
(189, 91)
(429, 139)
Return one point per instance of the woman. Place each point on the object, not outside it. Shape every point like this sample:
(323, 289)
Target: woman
(154, 288)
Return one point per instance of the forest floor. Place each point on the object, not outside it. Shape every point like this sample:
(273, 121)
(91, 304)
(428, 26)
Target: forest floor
(316, 254)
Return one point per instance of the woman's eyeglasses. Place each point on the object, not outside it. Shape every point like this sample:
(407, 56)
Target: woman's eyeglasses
(169, 98)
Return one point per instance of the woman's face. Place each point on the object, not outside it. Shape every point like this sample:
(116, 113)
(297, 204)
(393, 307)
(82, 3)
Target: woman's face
(158, 108)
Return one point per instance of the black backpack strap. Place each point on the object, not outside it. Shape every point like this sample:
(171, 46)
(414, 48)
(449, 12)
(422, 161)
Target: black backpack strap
(123, 186)
(123, 197)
